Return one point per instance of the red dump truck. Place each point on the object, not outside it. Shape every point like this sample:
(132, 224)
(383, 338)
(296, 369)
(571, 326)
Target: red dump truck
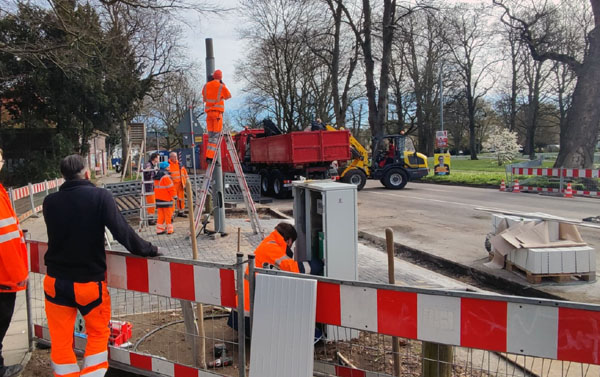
(279, 159)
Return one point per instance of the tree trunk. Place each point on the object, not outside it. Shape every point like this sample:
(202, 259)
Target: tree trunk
(389, 8)
(340, 114)
(578, 138)
(376, 133)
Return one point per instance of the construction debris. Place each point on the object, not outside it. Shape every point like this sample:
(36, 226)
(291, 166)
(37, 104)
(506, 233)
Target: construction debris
(540, 246)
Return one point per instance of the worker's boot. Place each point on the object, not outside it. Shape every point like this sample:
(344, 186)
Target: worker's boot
(11, 370)
(182, 214)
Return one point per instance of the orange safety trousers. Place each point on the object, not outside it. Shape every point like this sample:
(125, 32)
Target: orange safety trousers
(164, 221)
(63, 299)
(150, 201)
(214, 126)
(180, 202)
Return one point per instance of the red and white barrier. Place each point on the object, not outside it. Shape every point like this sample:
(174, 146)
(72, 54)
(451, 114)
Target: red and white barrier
(39, 187)
(341, 371)
(558, 172)
(533, 327)
(490, 324)
(207, 285)
(137, 360)
(20, 193)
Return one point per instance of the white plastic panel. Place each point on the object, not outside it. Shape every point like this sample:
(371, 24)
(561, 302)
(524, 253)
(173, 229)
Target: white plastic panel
(284, 327)
(531, 330)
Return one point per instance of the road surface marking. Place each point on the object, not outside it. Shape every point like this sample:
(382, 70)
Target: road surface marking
(426, 199)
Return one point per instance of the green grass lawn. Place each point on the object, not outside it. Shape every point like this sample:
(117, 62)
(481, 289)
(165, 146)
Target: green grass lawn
(482, 172)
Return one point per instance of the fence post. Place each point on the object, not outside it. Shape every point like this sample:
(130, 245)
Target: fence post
(562, 180)
(32, 201)
(251, 283)
(46, 185)
(56, 186)
(389, 236)
(11, 195)
(241, 316)
(28, 304)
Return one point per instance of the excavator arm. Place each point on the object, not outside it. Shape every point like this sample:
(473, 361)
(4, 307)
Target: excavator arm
(360, 156)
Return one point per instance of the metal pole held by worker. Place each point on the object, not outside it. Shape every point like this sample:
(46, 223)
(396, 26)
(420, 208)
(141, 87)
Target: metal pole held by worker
(218, 191)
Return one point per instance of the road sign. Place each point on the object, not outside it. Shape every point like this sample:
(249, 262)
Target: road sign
(441, 139)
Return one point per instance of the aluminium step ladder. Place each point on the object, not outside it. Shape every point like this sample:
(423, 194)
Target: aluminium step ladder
(248, 201)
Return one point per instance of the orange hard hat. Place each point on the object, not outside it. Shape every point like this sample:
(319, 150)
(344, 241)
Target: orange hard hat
(217, 75)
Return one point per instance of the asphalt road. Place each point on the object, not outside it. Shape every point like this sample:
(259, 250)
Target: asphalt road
(442, 219)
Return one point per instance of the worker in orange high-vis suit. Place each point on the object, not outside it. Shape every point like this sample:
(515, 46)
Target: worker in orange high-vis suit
(13, 269)
(179, 176)
(274, 252)
(214, 95)
(165, 193)
(76, 217)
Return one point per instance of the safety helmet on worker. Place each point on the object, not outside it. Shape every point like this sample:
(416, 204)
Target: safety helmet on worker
(217, 74)
(163, 165)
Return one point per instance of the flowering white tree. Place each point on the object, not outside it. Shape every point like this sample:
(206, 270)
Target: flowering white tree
(503, 143)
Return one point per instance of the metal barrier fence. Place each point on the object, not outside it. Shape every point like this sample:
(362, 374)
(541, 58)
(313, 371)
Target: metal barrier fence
(443, 333)
(440, 332)
(23, 198)
(127, 194)
(154, 295)
(584, 182)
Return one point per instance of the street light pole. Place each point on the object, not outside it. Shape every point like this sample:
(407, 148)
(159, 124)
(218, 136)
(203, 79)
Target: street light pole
(441, 97)
(218, 194)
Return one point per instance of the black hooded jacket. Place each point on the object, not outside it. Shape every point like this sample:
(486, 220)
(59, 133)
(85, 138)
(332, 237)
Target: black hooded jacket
(75, 219)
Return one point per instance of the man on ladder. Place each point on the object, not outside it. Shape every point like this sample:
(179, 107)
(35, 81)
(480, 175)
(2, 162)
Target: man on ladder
(214, 95)
(179, 176)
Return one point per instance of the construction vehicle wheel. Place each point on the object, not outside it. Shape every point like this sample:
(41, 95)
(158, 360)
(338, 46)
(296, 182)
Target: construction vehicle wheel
(356, 177)
(395, 179)
(265, 188)
(276, 184)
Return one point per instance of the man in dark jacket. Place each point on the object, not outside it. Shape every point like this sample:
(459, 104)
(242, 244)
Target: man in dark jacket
(76, 263)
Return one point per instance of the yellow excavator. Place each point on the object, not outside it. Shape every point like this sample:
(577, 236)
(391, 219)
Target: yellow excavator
(396, 163)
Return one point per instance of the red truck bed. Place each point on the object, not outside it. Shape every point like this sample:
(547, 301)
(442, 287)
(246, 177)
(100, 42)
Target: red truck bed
(301, 147)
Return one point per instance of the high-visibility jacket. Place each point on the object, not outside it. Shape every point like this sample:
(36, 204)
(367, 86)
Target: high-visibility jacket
(164, 190)
(179, 174)
(214, 95)
(272, 253)
(13, 252)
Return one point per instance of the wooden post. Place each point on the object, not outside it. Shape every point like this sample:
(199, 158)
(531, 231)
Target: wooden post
(199, 347)
(437, 360)
(389, 237)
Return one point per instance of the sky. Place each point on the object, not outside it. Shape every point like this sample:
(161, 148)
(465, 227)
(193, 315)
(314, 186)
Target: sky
(227, 47)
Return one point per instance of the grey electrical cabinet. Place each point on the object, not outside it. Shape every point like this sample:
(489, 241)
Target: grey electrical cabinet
(325, 214)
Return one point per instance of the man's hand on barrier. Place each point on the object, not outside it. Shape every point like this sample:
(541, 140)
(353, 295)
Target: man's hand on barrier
(160, 251)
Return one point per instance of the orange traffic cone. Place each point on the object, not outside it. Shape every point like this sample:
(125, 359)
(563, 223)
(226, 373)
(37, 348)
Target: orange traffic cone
(516, 187)
(502, 186)
(569, 191)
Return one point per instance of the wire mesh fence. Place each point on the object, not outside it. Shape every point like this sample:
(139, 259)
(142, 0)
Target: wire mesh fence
(160, 330)
(348, 352)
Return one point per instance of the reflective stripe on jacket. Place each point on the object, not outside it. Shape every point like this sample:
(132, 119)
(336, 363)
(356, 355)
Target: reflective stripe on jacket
(164, 189)
(13, 252)
(179, 174)
(214, 93)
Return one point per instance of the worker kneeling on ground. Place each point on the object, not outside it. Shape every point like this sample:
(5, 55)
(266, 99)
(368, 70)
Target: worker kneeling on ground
(275, 252)
(76, 217)
(164, 192)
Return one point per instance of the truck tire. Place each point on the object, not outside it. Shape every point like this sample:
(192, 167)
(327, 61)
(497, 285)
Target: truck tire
(276, 184)
(395, 179)
(356, 177)
(265, 187)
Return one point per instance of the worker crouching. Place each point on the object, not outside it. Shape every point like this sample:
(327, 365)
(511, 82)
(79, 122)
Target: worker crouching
(164, 192)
